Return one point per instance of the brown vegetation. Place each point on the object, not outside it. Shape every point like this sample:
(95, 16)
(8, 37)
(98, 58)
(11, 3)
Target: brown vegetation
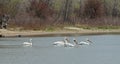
(93, 9)
(39, 14)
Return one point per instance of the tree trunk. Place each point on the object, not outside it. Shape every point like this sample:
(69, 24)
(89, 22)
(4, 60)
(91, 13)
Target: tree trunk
(67, 10)
(115, 11)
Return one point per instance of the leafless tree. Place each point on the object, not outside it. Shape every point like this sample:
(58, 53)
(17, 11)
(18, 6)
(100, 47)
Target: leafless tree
(115, 10)
(67, 10)
(93, 9)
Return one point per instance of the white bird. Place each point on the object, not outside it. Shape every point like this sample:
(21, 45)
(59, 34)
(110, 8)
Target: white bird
(59, 43)
(64, 43)
(75, 42)
(69, 45)
(28, 43)
(87, 42)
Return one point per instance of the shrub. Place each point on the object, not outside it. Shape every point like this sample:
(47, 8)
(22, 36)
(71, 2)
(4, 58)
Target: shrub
(93, 9)
(40, 9)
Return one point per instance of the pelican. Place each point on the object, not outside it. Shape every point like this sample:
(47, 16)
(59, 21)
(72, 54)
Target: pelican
(75, 42)
(59, 43)
(28, 43)
(69, 45)
(87, 42)
(64, 43)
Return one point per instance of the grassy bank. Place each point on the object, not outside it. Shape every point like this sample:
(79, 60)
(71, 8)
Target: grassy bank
(62, 31)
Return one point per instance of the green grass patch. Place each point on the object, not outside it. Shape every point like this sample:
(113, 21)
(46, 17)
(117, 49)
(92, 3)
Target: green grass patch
(49, 29)
(98, 27)
(108, 27)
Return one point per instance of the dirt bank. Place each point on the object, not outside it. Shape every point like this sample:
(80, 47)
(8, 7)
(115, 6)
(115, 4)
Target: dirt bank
(8, 33)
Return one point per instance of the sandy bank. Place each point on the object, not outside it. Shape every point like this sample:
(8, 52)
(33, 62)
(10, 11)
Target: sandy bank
(7, 33)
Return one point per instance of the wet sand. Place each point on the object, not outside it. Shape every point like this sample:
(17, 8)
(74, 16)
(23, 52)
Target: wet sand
(8, 33)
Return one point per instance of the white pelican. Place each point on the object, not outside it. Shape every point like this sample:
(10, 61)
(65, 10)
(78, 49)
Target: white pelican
(59, 43)
(69, 45)
(64, 43)
(75, 42)
(28, 43)
(87, 42)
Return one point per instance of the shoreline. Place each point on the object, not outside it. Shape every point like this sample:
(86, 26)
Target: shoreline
(7, 33)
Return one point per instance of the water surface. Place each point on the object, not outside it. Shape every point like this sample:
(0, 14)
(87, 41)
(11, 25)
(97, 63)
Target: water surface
(104, 50)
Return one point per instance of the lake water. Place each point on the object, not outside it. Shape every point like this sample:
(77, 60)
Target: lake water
(104, 50)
